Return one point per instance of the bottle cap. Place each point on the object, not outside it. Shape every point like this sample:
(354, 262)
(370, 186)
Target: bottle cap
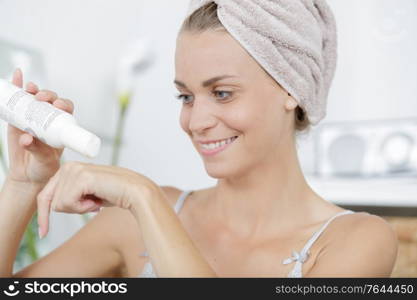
(80, 140)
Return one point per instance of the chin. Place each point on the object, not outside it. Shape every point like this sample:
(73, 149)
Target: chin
(221, 170)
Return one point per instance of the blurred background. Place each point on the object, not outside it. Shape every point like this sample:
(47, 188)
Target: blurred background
(116, 63)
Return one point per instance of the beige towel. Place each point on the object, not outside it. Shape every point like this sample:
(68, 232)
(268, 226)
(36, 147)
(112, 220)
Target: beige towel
(295, 41)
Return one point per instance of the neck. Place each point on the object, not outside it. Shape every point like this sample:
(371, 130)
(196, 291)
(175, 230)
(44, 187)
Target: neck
(271, 195)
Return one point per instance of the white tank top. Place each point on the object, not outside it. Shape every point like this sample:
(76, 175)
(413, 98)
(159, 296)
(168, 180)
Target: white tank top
(298, 257)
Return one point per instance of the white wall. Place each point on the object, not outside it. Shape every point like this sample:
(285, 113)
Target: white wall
(82, 40)
(376, 76)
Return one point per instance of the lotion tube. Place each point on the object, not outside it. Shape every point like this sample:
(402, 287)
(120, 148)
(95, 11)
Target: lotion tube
(44, 121)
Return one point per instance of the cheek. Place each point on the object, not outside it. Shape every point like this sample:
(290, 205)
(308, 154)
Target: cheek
(249, 117)
(260, 123)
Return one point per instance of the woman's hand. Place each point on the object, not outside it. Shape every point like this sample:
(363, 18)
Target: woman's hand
(30, 160)
(81, 187)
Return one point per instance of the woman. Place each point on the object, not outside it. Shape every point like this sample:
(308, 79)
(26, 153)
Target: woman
(248, 88)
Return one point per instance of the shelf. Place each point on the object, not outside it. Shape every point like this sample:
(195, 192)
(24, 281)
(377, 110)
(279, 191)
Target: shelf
(385, 192)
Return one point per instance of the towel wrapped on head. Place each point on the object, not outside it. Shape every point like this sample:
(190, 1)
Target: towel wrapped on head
(295, 41)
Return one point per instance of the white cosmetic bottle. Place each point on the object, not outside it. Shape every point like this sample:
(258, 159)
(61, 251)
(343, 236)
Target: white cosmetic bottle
(44, 121)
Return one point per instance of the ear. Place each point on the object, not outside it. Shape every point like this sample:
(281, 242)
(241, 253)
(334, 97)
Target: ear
(290, 103)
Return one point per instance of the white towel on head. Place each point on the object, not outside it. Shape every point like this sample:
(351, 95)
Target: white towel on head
(295, 41)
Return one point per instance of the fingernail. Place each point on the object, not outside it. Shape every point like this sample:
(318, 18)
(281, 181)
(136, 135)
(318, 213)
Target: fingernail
(40, 233)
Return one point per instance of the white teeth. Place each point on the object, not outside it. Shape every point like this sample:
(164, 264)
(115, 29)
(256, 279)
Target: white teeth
(212, 146)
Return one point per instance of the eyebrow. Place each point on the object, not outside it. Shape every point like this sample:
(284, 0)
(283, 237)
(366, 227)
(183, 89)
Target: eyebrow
(205, 83)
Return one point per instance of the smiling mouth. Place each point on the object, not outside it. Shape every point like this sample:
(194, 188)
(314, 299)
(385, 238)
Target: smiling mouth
(214, 148)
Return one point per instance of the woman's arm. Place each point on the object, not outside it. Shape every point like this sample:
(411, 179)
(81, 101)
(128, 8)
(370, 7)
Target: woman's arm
(107, 246)
(96, 250)
(171, 250)
(90, 252)
(17, 207)
(82, 187)
(367, 249)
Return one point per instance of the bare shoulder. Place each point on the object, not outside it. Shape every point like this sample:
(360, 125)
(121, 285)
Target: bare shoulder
(172, 193)
(369, 227)
(357, 245)
(362, 226)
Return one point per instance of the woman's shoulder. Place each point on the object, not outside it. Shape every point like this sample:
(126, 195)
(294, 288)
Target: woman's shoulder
(358, 244)
(363, 225)
(359, 225)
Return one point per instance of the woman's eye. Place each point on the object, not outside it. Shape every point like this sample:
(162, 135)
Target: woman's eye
(183, 98)
(224, 93)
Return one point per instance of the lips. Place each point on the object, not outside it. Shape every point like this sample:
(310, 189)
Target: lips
(210, 149)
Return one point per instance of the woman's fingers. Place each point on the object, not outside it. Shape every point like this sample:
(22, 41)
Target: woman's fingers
(43, 95)
(90, 204)
(73, 201)
(44, 200)
(52, 97)
(40, 151)
(32, 88)
(47, 96)
(26, 139)
(18, 78)
(64, 104)
(84, 206)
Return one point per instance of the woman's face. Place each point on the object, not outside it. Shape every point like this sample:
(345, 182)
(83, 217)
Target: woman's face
(248, 104)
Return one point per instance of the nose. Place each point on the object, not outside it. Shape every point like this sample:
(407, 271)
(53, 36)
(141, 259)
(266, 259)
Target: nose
(202, 116)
